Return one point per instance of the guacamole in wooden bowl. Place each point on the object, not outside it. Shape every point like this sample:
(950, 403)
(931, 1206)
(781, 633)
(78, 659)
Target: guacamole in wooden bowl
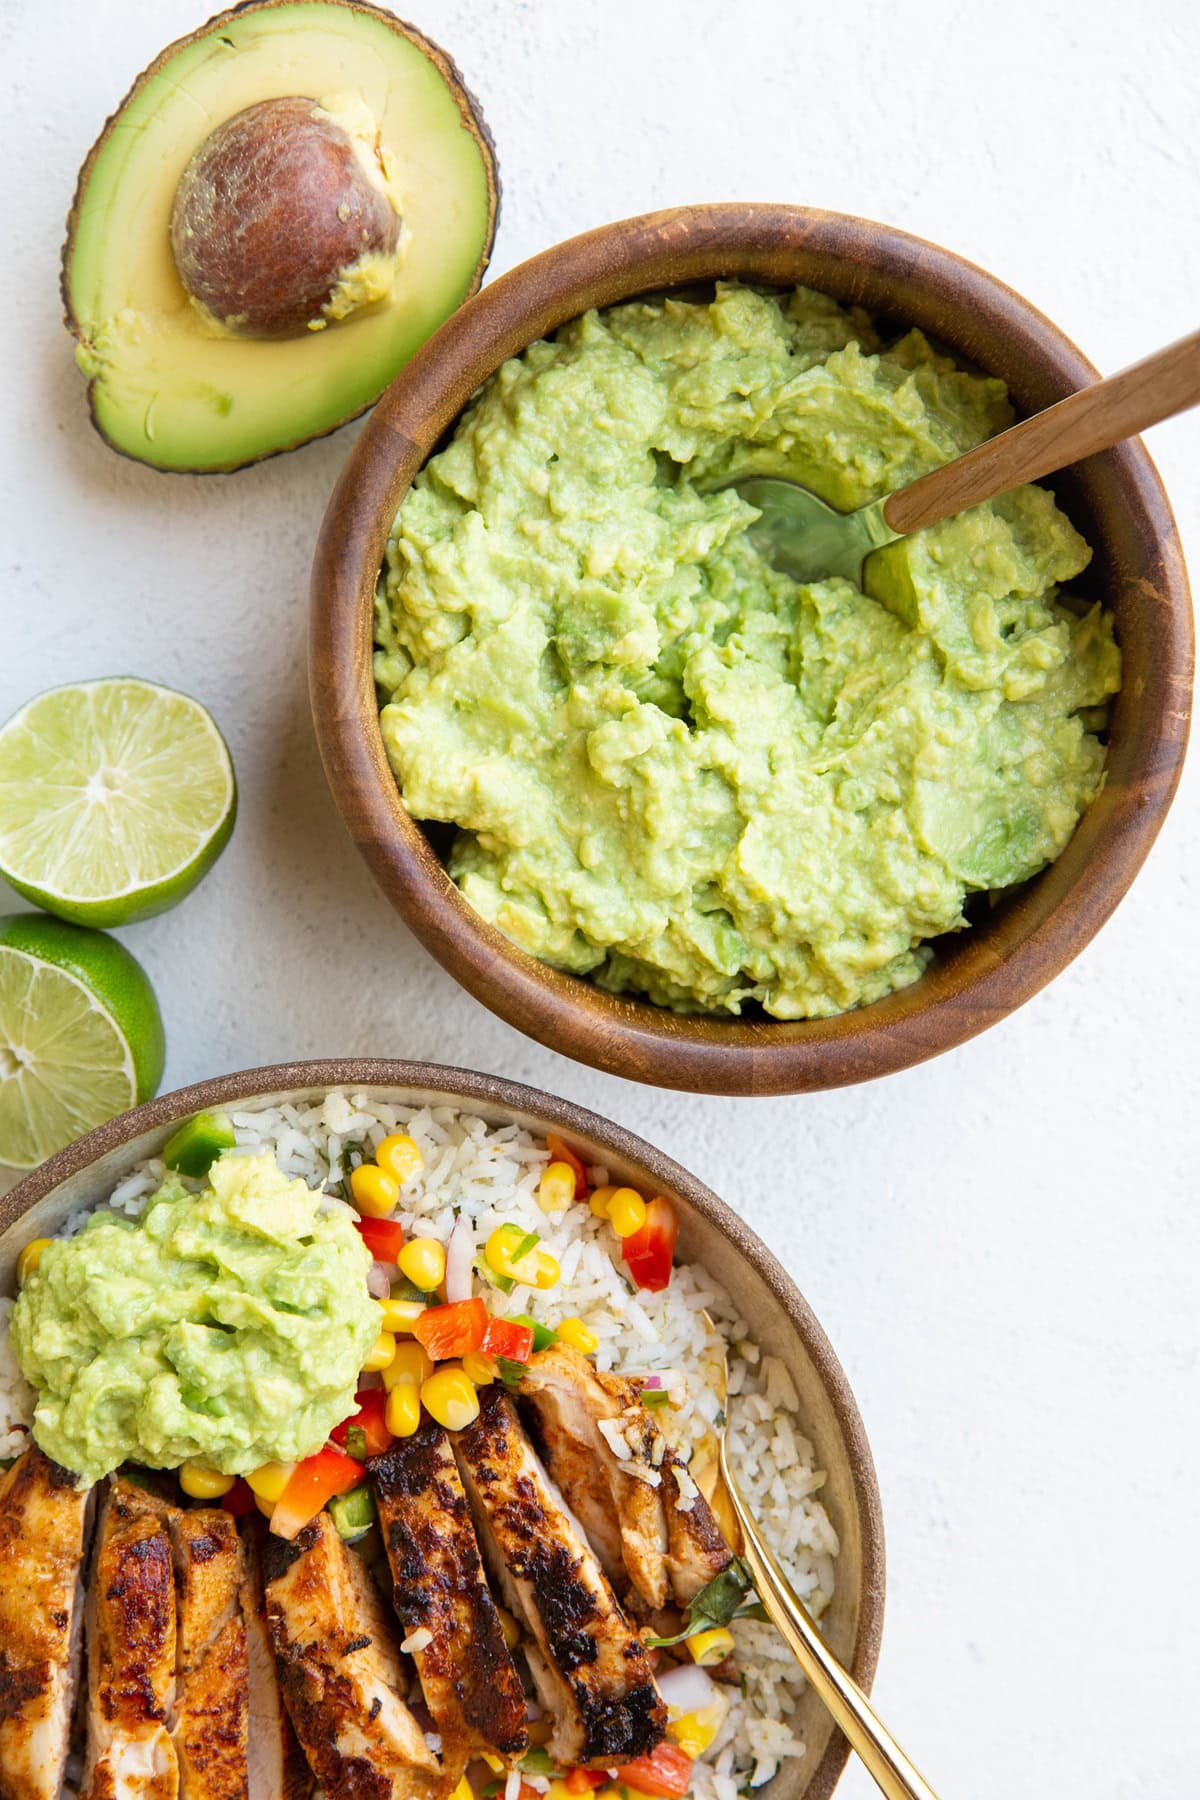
(670, 766)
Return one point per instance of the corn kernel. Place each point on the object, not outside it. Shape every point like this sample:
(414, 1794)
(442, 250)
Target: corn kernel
(464, 1790)
(479, 1367)
(486, 1756)
(499, 1254)
(449, 1397)
(381, 1355)
(400, 1315)
(403, 1413)
(695, 1731)
(556, 1189)
(400, 1156)
(423, 1260)
(29, 1259)
(375, 1194)
(199, 1482)
(709, 1647)
(412, 1363)
(510, 1628)
(265, 1507)
(269, 1482)
(626, 1212)
(576, 1333)
(546, 1270)
(599, 1200)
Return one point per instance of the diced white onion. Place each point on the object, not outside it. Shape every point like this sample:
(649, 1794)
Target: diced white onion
(688, 1688)
(417, 1640)
(379, 1282)
(512, 1787)
(460, 1262)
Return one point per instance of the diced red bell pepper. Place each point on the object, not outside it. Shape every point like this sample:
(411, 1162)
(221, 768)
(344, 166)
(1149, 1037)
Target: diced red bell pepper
(667, 1771)
(384, 1238)
(560, 1152)
(452, 1330)
(369, 1419)
(314, 1483)
(582, 1781)
(504, 1337)
(650, 1252)
(240, 1499)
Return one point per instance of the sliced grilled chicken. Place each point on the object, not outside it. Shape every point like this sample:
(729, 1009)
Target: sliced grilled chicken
(212, 1699)
(44, 1521)
(590, 1665)
(615, 1498)
(277, 1767)
(649, 1522)
(696, 1551)
(338, 1659)
(467, 1674)
(131, 1651)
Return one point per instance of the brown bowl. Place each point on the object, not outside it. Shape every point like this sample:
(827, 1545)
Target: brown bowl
(710, 1233)
(1116, 499)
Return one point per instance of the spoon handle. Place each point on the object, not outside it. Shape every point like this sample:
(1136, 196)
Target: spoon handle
(1092, 419)
(844, 1700)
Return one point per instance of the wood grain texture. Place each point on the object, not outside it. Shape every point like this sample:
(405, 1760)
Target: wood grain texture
(1087, 421)
(1116, 499)
(710, 1234)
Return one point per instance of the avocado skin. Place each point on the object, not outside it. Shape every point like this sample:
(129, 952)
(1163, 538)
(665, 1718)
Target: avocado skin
(473, 120)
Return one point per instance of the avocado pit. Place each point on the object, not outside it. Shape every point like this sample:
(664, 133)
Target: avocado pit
(283, 221)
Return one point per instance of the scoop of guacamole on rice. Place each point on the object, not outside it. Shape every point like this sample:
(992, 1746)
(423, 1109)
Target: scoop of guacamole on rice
(227, 1325)
(677, 770)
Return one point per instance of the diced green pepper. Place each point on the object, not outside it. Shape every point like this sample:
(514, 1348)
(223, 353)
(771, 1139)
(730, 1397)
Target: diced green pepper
(543, 1335)
(195, 1147)
(354, 1512)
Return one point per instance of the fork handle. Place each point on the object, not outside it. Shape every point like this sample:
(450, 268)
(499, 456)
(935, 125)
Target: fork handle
(1092, 419)
(845, 1701)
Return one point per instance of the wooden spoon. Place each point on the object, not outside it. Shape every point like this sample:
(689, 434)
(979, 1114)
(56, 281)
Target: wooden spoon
(809, 540)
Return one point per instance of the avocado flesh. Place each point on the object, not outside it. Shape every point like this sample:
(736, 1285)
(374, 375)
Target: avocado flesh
(169, 388)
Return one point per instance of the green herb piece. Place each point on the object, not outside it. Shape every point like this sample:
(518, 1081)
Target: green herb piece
(511, 1373)
(727, 1597)
(353, 1155)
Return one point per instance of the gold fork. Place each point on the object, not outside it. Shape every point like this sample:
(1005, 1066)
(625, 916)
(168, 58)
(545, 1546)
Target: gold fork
(845, 1701)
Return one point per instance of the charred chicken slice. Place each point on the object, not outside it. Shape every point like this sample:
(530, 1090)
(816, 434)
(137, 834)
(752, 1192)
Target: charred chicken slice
(648, 1520)
(615, 1498)
(44, 1519)
(589, 1663)
(212, 1709)
(131, 1651)
(338, 1661)
(276, 1767)
(467, 1675)
(696, 1550)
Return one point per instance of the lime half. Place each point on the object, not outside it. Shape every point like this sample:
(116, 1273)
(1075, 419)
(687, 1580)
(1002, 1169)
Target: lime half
(116, 797)
(81, 1036)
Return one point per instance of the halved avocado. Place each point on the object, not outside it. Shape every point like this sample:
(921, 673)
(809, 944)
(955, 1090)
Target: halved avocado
(171, 384)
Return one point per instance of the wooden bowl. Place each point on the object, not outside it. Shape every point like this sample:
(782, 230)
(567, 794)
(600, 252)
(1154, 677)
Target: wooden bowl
(710, 1233)
(1116, 499)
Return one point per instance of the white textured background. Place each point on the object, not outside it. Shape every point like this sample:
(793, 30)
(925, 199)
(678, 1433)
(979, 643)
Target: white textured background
(1003, 1245)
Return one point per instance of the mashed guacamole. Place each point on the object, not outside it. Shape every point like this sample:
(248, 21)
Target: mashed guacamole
(677, 770)
(228, 1325)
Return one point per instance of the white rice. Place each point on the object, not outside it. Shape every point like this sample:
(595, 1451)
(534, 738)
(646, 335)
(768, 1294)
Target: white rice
(490, 1174)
